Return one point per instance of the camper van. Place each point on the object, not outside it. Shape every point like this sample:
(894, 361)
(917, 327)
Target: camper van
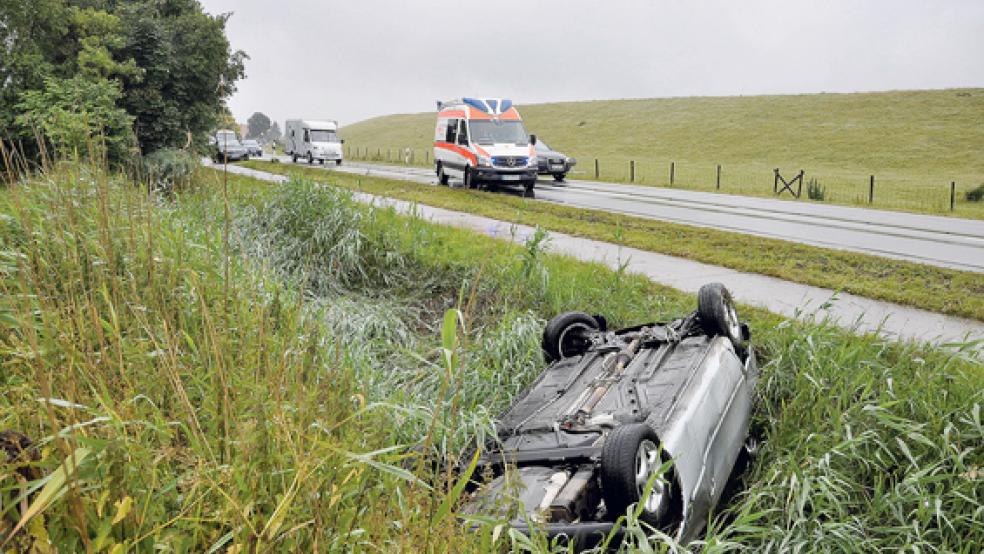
(312, 140)
(483, 142)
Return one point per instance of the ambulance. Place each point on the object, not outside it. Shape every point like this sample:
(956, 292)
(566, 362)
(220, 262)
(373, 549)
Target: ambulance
(483, 142)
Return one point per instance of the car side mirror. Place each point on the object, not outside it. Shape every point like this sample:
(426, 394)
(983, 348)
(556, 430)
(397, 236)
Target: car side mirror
(533, 140)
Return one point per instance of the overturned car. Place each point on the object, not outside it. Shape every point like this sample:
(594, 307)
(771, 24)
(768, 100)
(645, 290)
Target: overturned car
(657, 412)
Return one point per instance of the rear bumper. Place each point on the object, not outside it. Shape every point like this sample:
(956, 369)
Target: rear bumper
(583, 535)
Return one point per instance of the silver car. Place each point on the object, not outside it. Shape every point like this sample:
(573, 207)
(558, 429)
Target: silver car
(227, 147)
(656, 413)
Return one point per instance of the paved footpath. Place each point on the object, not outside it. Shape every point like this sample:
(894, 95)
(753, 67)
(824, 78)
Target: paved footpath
(928, 239)
(776, 295)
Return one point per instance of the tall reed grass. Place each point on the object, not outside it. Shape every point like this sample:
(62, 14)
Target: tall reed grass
(282, 386)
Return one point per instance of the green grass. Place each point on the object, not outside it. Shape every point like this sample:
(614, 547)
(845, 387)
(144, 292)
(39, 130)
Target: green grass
(936, 289)
(914, 142)
(250, 372)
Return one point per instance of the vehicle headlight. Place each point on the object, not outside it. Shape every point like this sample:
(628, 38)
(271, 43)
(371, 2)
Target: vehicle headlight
(532, 161)
(484, 161)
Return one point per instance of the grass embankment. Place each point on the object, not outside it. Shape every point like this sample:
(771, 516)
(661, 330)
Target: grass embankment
(914, 142)
(257, 386)
(932, 288)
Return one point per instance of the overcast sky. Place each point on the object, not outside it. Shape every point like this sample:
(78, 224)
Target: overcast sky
(354, 59)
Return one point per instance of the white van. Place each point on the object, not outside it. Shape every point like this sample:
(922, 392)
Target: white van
(483, 142)
(312, 140)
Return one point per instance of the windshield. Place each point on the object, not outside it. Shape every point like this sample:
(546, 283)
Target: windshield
(542, 146)
(323, 136)
(227, 137)
(492, 131)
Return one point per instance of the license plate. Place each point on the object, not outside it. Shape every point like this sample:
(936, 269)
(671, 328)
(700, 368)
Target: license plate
(510, 177)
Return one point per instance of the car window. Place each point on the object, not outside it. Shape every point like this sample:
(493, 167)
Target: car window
(307, 136)
(452, 133)
(463, 132)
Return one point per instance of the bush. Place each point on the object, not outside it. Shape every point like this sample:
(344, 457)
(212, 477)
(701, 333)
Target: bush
(169, 169)
(975, 195)
(815, 191)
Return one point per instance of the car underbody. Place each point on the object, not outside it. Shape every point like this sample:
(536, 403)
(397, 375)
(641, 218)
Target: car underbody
(655, 414)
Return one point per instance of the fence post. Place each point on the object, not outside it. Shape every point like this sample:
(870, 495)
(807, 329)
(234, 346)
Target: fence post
(426, 157)
(631, 171)
(411, 156)
(775, 181)
(953, 193)
(597, 174)
(871, 191)
(672, 171)
(719, 177)
(799, 189)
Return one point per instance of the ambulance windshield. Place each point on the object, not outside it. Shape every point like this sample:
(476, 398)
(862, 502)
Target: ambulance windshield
(492, 132)
(323, 136)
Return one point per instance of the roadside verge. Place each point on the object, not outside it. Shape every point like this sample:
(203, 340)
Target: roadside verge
(776, 295)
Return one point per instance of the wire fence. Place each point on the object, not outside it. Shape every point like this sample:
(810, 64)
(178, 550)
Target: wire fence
(889, 191)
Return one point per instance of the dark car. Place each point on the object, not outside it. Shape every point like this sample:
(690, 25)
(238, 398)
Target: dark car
(551, 162)
(656, 413)
(227, 148)
(253, 148)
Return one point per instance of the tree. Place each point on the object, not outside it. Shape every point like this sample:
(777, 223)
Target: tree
(257, 124)
(273, 134)
(78, 116)
(188, 67)
(170, 62)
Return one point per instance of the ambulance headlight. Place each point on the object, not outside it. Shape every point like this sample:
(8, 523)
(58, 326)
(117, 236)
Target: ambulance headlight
(484, 161)
(532, 162)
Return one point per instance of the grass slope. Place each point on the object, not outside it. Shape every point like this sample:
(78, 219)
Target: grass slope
(914, 142)
(252, 373)
(932, 288)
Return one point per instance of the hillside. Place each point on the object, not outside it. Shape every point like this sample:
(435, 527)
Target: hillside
(914, 142)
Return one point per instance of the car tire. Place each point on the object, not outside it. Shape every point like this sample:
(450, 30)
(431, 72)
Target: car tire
(561, 338)
(528, 191)
(310, 159)
(559, 177)
(717, 312)
(630, 457)
(293, 158)
(442, 177)
(246, 158)
(469, 179)
(338, 162)
(322, 162)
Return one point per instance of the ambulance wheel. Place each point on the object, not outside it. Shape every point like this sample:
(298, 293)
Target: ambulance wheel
(469, 179)
(559, 177)
(442, 177)
(310, 158)
(528, 189)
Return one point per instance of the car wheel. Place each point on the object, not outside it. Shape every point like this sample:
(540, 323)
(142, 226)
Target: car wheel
(564, 335)
(322, 162)
(246, 158)
(310, 159)
(293, 158)
(717, 312)
(630, 458)
(528, 189)
(559, 177)
(338, 162)
(470, 181)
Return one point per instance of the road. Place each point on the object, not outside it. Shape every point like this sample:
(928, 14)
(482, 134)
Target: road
(940, 241)
(790, 299)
